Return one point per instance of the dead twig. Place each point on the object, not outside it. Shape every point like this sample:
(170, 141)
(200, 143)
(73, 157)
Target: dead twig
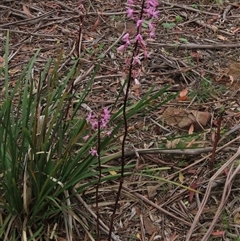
(226, 11)
(29, 21)
(196, 151)
(31, 33)
(196, 46)
(185, 7)
(205, 157)
(146, 200)
(216, 141)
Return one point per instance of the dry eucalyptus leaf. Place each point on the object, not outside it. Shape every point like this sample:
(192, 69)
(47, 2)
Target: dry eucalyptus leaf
(27, 11)
(185, 118)
(234, 70)
(201, 117)
(191, 129)
(129, 27)
(221, 37)
(181, 177)
(152, 191)
(230, 76)
(149, 227)
(185, 122)
(237, 218)
(2, 61)
(196, 118)
(173, 115)
(172, 144)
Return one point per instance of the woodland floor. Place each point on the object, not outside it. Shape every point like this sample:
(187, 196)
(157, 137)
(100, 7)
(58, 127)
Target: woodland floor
(196, 52)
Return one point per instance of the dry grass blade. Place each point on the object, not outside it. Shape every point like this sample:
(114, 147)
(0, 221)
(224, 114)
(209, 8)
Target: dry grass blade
(226, 192)
(146, 200)
(103, 226)
(207, 156)
(208, 192)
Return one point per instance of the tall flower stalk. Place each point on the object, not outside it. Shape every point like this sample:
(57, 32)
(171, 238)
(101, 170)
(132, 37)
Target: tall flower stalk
(98, 123)
(147, 14)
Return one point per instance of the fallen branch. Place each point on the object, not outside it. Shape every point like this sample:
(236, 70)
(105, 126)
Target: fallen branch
(196, 151)
(186, 7)
(196, 46)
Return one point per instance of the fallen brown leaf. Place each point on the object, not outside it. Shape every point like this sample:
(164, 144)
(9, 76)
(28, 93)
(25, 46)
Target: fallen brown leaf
(152, 191)
(172, 144)
(96, 24)
(149, 227)
(237, 218)
(185, 118)
(218, 233)
(26, 11)
(184, 92)
(181, 177)
(191, 193)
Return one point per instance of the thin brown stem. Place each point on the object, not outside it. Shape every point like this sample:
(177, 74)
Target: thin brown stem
(99, 177)
(129, 77)
(217, 138)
